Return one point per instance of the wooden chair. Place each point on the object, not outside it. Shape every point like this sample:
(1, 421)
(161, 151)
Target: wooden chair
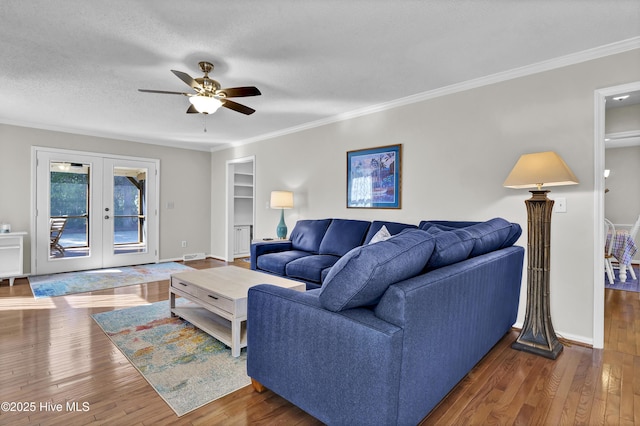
(56, 227)
(609, 229)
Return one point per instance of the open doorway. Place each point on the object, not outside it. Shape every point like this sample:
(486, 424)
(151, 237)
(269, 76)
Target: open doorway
(601, 97)
(241, 207)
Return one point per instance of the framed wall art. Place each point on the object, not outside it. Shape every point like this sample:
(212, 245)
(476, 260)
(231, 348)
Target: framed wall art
(374, 177)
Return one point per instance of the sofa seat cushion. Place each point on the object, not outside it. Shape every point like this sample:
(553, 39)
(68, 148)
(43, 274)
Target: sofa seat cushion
(308, 234)
(343, 235)
(309, 268)
(277, 262)
(393, 228)
(362, 276)
(450, 246)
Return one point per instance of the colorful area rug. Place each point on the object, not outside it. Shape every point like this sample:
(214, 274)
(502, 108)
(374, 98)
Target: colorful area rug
(187, 367)
(629, 285)
(100, 279)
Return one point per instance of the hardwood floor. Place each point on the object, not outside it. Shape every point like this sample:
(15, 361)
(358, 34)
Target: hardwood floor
(52, 352)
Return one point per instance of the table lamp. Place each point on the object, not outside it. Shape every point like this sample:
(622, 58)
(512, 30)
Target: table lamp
(535, 171)
(281, 200)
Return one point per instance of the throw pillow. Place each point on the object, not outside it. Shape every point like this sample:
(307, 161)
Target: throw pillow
(362, 276)
(382, 235)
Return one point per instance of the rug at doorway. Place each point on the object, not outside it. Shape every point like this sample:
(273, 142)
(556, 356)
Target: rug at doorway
(66, 283)
(629, 285)
(184, 365)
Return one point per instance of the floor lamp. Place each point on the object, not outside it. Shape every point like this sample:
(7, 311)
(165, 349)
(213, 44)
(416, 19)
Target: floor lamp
(281, 200)
(533, 171)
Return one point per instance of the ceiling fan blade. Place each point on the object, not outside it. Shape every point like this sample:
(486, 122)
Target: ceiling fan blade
(163, 92)
(187, 79)
(237, 92)
(192, 110)
(238, 107)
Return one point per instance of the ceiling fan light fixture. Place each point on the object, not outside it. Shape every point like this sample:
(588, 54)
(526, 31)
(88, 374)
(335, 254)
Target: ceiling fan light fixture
(205, 104)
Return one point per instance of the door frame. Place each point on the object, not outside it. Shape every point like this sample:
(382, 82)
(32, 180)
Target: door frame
(155, 229)
(598, 216)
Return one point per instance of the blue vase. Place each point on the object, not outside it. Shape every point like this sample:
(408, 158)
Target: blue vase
(281, 230)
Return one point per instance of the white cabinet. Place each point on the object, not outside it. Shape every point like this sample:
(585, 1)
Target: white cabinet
(242, 236)
(11, 255)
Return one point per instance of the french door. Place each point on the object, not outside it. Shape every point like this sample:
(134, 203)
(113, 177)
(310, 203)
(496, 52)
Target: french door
(94, 211)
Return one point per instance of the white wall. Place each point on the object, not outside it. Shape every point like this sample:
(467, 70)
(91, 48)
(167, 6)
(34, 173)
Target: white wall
(623, 119)
(185, 180)
(457, 151)
(622, 202)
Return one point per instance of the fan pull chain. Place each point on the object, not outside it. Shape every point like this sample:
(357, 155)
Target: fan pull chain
(205, 122)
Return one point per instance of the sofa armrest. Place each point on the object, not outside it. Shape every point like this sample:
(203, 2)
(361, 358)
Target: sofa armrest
(341, 367)
(264, 247)
(452, 317)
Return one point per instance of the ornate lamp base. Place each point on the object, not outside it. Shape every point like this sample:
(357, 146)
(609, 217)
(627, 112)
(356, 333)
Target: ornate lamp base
(537, 335)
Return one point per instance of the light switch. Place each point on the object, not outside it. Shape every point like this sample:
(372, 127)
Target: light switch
(560, 205)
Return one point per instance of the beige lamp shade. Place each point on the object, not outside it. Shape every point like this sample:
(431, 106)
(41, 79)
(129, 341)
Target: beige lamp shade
(281, 200)
(538, 169)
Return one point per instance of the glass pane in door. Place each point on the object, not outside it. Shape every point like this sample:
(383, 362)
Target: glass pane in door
(129, 210)
(69, 210)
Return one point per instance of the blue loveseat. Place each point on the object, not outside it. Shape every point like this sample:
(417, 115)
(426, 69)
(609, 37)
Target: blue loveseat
(394, 326)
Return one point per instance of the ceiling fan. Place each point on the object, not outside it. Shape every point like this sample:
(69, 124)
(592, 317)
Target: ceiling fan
(208, 96)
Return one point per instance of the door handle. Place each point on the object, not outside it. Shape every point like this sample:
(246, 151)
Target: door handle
(106, 216)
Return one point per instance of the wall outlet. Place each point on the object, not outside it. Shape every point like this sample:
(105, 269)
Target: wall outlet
(184, 244)
(560, 205)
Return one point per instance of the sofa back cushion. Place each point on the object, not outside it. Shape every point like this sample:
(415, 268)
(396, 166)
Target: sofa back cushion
(451, 246)
(307, 235)
(362, 276)
(445, 224)
(492, 235)
(343, 235)
(514, 234)
(393, 228)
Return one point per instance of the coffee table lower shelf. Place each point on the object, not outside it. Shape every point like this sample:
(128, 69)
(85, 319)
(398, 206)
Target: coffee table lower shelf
(221, 297)
(212, 324)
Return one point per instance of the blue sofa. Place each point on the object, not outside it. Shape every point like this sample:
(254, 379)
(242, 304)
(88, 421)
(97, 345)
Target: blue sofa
(315, 246)
(394, 326)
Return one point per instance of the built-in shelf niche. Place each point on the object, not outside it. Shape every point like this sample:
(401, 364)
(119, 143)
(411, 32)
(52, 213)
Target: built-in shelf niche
(243, 200)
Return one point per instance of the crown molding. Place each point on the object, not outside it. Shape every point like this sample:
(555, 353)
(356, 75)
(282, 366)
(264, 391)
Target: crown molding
(551, 64)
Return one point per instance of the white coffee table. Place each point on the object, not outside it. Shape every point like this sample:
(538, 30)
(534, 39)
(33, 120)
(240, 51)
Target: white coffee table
(220, 295)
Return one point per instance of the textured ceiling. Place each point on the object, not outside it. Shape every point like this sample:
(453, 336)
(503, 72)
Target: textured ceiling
(76, 65)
